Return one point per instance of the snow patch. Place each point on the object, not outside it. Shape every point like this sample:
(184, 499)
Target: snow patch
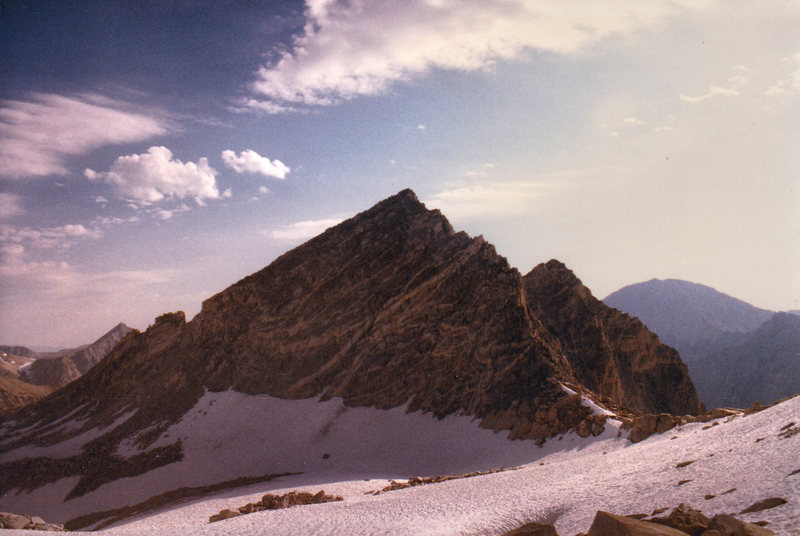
(564, 483)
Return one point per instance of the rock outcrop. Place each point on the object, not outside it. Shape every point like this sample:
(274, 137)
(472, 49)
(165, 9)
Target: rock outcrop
(391, 307)
(681, 521)
(26, 522)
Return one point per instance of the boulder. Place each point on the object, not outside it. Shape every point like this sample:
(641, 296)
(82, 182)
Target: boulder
(731, 526)
(643, 427)
(13, 521)
(686, 519)
(18, 521)
(606, 524)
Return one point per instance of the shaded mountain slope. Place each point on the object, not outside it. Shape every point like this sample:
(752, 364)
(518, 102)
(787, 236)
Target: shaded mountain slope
(391, 307)
(15, 393)
(762, 366)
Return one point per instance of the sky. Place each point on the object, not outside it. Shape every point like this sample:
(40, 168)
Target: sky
(152, 153)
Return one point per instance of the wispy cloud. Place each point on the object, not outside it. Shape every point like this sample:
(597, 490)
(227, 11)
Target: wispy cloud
(346, 51)
(10, 206)
(713, 91)
(37, 135)
(303, 229)
(249, 161)
(48, 237)
(155, 175)
(790, 84)
(489, 198)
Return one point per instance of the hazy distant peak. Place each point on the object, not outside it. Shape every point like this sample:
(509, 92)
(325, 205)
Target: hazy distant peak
(682, 311)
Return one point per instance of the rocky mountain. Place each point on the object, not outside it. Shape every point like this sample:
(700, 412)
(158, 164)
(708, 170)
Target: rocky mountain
(763, 365)
(737, 354)
(609, 352)
(27, 376)
(60, 369)
(687, 316)
(389, 309)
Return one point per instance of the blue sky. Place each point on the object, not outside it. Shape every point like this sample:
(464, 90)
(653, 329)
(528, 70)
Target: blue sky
(153, 153)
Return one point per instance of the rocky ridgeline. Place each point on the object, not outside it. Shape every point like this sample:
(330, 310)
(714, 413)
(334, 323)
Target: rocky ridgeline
(26, 522)
(681, 521)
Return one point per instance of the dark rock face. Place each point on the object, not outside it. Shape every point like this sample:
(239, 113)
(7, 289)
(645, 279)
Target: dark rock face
(59, 370)
(609, 352)
(389, 307)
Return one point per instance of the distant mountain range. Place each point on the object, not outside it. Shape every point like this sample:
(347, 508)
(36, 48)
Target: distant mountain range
(27, 376)
(60, 369)
(737, 353)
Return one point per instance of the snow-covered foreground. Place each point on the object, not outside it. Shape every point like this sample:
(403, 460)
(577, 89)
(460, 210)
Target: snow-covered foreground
(564, 483)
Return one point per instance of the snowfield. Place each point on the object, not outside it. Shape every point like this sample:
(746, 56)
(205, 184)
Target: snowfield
(565, 482)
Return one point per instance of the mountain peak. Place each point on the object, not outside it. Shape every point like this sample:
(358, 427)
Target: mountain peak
(389, 309)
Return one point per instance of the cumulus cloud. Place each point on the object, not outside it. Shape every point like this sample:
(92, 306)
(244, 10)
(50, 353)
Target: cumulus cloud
(37, 135)
(155, 175)
(10, 206)
(303, 229)
(249, 161)
(345, 50)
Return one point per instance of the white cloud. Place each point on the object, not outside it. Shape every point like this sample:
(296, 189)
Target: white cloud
(37, 135)
(346, 50)
(153, 176)
(49, 237)
(166, 214)
(790, 84)
(10, 206)
(489, 198)
(303, 229)
(712, 92)
(249, 161)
